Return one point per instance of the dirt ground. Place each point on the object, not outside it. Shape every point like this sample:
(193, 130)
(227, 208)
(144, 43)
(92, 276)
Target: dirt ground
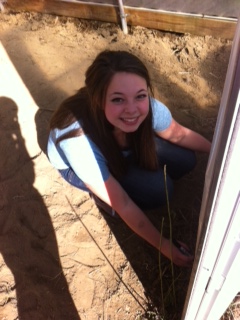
(61, 258)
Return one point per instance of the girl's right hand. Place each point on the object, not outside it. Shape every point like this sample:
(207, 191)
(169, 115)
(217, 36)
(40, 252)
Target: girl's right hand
(174, 252)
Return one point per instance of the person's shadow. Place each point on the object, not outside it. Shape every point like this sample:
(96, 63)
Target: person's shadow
(27, 238)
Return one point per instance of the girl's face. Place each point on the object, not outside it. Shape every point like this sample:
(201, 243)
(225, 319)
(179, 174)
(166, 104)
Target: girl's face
(127, 102)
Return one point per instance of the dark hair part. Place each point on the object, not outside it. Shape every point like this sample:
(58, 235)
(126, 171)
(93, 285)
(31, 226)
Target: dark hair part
(87, 106)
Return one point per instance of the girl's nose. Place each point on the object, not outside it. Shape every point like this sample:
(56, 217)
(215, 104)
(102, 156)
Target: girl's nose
(131, 107)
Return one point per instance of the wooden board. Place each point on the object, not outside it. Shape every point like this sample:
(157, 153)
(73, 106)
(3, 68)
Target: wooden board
(153, 19)
(216, 8)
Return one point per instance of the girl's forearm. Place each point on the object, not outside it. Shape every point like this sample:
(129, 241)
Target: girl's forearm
(142, 226)
(194, 141)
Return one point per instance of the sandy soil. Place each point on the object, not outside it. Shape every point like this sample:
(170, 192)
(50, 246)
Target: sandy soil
(61, 258)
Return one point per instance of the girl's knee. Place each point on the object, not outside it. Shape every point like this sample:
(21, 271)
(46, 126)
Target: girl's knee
(191, 161)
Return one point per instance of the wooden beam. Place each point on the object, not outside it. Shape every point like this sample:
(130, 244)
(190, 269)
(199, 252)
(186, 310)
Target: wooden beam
(71, 9)
(153, 19)
(182, 23)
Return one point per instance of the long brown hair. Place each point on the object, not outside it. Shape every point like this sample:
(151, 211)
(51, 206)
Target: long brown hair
(87, 106)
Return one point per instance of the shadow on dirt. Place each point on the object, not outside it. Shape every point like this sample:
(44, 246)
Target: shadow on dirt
(27, 238)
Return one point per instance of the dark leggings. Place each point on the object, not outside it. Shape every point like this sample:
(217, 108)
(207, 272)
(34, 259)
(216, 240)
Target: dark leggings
(148, 188)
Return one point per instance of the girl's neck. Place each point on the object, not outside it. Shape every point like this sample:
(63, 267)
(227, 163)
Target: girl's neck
(120, 137)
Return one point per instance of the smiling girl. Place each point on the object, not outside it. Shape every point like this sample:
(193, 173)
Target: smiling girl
(112, 139)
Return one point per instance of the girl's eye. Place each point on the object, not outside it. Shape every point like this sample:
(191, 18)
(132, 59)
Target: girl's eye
(141, 96)
(117, 100)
